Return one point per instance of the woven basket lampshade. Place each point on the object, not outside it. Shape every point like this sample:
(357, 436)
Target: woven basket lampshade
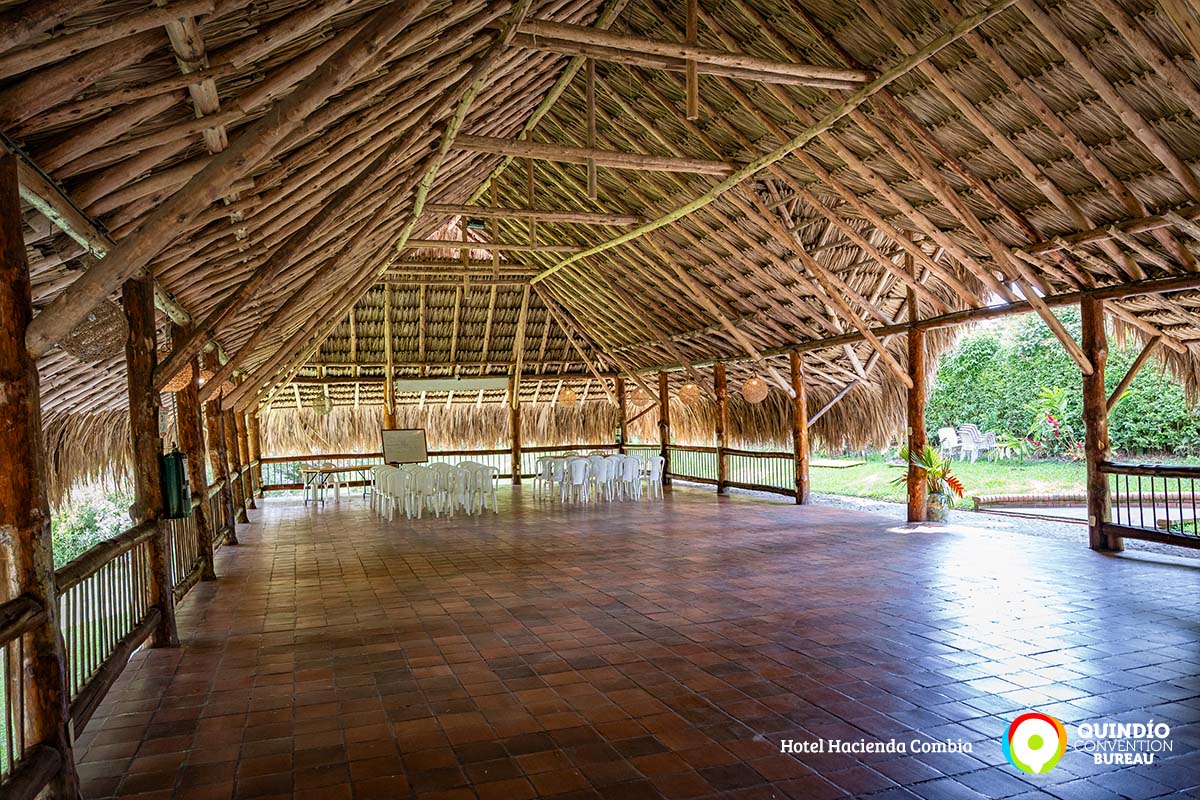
(639, 397)
(179, 380)
(567, 398)
(100, 335)
(689, 393)
(754, 390)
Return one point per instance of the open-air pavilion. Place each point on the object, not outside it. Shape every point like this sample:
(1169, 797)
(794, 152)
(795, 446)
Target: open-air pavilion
(719, 232)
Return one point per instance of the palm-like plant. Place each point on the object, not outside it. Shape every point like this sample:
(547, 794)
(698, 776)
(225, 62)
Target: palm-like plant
(939, 474)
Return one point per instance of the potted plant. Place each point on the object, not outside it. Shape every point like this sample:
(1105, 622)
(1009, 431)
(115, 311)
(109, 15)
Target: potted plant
(940, 481)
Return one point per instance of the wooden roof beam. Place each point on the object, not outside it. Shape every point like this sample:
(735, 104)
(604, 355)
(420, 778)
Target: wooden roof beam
(826, 123)
(499, 247)
(560, 37)
(539, 214)
(612, 159)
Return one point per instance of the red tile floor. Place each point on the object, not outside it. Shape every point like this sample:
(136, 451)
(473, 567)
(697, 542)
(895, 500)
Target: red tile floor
(663, 649)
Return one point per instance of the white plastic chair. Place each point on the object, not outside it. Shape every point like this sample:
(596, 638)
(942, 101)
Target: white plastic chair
(543, 479)
(424, 491)
(334, 480)
(487, 478)
(373, 486)
(948, 442)
(446, 474)
(613, 463)
(598, 480)
(631, 483)
(576, 475)
(654, 476)
(391, 490)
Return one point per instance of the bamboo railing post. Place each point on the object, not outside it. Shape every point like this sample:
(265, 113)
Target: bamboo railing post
(621, 414)
(514, 424)
(243, 443)
(26, 559)
(217, 457)
(233, 454)
(191, 442)
(141, 355)
(918, 496)
(1095, 425)
(664, 425)
(252, 426)
(799, 428)
(721, 388)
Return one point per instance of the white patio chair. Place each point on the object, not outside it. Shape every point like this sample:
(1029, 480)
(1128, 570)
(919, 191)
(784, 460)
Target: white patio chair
(576, 476)
(424, 491)
(613, 463)
(543, 478)
(654, 476)
(333, 480)
(631, 483)
(598, 481)
(464, 489)
(970, 442)
(373, 486)
(487, 478)
(948, 442)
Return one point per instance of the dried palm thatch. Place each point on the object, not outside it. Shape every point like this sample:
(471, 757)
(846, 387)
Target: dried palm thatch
(1042, 149)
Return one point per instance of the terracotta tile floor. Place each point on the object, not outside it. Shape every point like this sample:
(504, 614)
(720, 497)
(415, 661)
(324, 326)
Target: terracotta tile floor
(657, 650)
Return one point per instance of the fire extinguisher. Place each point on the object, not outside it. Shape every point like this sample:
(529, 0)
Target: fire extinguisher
(177, 494)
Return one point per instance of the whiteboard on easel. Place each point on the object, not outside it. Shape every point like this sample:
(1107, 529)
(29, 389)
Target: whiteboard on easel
(404, 446)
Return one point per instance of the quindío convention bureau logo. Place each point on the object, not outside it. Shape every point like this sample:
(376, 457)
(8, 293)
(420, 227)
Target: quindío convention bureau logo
(1035, 743)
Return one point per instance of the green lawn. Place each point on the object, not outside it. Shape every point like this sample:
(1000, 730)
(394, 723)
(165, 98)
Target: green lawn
(873, 479)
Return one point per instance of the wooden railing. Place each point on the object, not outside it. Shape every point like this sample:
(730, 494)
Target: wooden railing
(104, 616)
(1153, 502)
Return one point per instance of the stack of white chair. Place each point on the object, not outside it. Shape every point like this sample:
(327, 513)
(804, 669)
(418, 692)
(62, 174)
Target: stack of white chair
(655, 466)
(577, 477)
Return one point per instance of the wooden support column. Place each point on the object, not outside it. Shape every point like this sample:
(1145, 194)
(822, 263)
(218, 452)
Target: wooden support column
(514, 425)
(799, 428)
(255, 449)
(1095, 424)
(219, 459)
(721, 387)
(622, 413)
(389, 376)
(191, 442)
(243, 442)
(141, 356)
(918, 496)
(229, 416)
(27, 557)
(664, 425)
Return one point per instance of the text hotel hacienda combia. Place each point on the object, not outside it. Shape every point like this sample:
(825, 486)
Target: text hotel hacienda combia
(860, 746)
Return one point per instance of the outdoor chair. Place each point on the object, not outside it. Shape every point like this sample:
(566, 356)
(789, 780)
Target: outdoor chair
(654, 476)
(948, 442)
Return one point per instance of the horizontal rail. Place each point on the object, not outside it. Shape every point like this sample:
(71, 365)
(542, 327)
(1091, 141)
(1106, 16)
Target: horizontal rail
(91, 561)
(19, 616)
(1151, 470)
(1146, 535)
(215, 488)
(89, 697)
(33, 773)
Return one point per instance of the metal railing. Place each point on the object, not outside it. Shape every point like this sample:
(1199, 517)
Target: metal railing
(1153, 502)
(698, 464)
(765, 472)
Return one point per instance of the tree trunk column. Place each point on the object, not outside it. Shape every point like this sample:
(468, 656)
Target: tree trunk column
(24, 512)
(799, 428)
(722, 390)
(252, 426)
(622, 413)
(141, 357)
(243, 437)
(514, 426)
(918, 494)
(219, 459)
(1095, 425)
(235, 465)
(664, 425)
(191, 442)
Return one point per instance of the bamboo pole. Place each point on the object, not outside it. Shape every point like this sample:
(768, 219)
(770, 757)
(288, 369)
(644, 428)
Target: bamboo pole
(137, 299)
(721, 389)
(26, 555)
(191, 442)
(800, 428)
(1095, 425)
(536, 214)
(1127, 379)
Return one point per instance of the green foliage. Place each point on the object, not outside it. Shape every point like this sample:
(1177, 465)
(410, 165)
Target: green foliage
(939, 472)
(1006, 378)
(876, 478)
(93, 515)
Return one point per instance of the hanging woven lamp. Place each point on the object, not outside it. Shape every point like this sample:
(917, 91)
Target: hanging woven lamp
(179, 380)
(567, 398)
(689, 393)
(755, 390)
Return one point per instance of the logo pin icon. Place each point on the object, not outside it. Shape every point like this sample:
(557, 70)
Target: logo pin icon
(1035, 743)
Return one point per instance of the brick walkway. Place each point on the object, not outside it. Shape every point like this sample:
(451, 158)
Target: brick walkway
(663, 649)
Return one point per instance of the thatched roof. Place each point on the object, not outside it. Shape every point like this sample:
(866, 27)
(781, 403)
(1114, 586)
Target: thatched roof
(1004, 150)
